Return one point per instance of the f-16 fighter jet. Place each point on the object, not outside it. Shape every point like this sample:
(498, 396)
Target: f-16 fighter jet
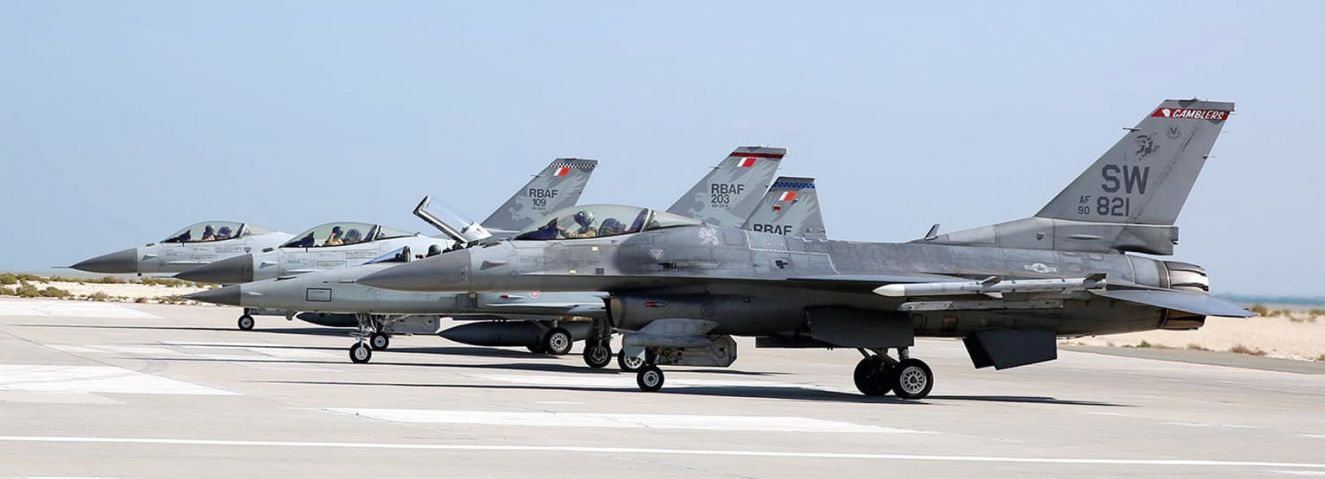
(682, 287)
(190, 247)
(528, 318)
(341, 244)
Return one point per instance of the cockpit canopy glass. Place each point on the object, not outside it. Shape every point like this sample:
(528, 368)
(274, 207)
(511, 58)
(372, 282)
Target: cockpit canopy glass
(333, 234)
(597, 221)
(208, 231)
(386, 232)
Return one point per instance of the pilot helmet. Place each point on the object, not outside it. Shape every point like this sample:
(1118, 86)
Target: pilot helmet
(224, 231)
(612, 225)
(584, 218)
(335, 230)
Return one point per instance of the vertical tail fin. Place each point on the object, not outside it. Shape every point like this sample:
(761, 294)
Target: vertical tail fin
(791, 207)
(1146, 177)
(730, 192)
(557, 186)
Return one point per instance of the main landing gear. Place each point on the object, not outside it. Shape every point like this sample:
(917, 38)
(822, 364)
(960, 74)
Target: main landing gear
(368, 338)
(877, 374)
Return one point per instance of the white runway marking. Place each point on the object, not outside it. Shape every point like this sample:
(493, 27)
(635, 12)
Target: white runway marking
(665, 451)
(93, 379)
(1302, 473)
(620, 421)
(627, 382)
(75, 309)
(1313, 436)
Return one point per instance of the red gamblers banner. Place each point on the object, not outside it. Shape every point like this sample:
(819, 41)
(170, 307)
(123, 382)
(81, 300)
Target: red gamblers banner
(1190, 114)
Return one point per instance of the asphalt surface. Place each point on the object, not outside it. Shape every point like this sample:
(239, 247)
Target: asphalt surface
(115, 390)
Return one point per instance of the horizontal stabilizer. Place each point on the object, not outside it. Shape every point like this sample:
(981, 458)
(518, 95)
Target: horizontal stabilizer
(1194, 303)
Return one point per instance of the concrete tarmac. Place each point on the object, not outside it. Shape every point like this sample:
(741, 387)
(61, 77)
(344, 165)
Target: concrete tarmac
(118, 390)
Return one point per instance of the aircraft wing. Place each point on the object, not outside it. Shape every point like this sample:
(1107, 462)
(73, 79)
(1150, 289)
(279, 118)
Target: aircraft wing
(1195, 303)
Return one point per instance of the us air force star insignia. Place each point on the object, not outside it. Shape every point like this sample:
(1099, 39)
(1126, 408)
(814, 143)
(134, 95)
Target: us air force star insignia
(708, 236)
(1041, 268)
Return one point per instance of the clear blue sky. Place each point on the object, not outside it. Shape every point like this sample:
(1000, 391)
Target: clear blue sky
(121, 122)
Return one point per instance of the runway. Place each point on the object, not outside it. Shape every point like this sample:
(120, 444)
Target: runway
(126, 390)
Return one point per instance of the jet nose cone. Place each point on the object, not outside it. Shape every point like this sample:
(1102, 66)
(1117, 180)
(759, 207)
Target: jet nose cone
(227, 295)
(238, 269)
(448, 272)
(125, 261)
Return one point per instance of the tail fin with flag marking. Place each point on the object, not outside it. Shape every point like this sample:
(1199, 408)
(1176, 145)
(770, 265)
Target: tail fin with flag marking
(730, 192)
(557, 186)
(790, 207)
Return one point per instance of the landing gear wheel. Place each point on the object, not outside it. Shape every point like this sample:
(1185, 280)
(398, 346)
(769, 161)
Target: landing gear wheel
(379, 341)
(649, 378)
(536, 349)
(360, 353)
(246, 322)
(873, 376)
(913, 380)
(597, 355)
(558, 341)
(628, 363)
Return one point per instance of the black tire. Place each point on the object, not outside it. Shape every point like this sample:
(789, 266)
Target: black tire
(597, 355)
(379, 341)
(536, 349)
(558, 341)
(873, 376)
(649, 378)
(913, 379)
(360, 353)
(245, 323)
(628, 364)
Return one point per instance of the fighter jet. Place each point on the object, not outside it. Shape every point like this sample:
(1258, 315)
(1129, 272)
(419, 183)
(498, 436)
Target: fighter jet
(682, 288)
(196, 245)
(341, 244)
(527, 318)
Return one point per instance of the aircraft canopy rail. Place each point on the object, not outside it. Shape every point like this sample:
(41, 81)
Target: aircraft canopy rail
(208, 231)
(597, 221)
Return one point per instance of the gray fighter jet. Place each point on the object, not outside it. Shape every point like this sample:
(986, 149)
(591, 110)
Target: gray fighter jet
(188, 248)
(337, 245)
(681, 288)
(528, 318)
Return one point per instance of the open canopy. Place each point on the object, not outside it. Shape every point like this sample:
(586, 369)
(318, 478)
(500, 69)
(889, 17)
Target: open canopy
(597, 221)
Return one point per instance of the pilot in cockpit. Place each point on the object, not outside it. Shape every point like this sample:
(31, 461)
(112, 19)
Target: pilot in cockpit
(208, 234)
(611, 226)
(334, 238)
(584, 220)
(353, 236)
(224, 233)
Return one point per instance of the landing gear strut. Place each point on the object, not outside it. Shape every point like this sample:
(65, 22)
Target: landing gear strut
(877, 374)
(597, 354)
(368, 337)
(598, 346)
